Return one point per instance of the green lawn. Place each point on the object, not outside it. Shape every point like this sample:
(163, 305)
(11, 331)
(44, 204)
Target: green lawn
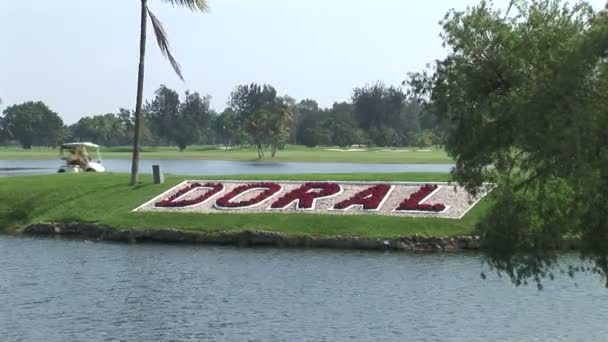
(107, 199)
(292, 153)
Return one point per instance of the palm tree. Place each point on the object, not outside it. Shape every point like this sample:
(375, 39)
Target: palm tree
(163, 44)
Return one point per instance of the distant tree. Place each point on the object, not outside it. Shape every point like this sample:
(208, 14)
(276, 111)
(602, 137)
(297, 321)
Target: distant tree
(360, 137)
(177, 122)
(163, 112)
(193, 118)
(256, 126)
(410, 123)
(341, 124)
(377, 107)
(383, 136)
(83, 130)
(303, 110)
(424, 138)
(229, 128)
(248, 99)
(259, 108)
(33, 123)
(163, 43)
(278, 127)
(107, 129)
(5, 129)
(313, 130)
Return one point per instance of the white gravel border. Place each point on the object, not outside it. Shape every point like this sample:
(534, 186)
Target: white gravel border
(247, 192)
(360, 206)
(457, 201)
(295, 204)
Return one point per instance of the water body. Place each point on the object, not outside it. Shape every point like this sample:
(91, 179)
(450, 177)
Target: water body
(67, 290)
(219, 167)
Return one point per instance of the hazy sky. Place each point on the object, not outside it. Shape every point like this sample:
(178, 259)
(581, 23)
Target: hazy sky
(80, 56)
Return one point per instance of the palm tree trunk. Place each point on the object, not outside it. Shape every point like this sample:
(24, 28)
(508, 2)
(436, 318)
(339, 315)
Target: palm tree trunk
(140, 91)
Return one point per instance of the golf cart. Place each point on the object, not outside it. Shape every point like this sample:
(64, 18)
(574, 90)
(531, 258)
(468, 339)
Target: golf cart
(77, 158)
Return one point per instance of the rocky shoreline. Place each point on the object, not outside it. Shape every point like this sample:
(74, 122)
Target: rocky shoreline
(252, 238)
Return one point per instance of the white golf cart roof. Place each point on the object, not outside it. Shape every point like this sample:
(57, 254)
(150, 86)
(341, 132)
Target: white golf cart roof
(80, 144)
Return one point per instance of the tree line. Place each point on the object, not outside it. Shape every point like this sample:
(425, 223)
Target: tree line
(256, 115)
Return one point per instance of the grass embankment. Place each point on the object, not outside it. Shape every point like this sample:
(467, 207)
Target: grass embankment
(291, 153)
(108, 199)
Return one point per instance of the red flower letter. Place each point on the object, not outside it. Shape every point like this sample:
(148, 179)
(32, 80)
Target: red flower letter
(226, 201)
(413, 202)
(305, 196)
(369, 199)
(173, 202)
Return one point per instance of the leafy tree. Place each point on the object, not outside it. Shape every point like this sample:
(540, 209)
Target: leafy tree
(5, 129)
(523, 95)
(193, 117)
(378, 107)
(360, 137)
(33, 123)
(262, 114)
(342, 124)
(163, 43)
(302, 111)
(383, 136)
(248, 99)
(107, 130)
(256, 126)
(313, 130)
(179, 123)
(229, 128)
(424, 138)
(411, 123)
(163, 112)
(278, 127)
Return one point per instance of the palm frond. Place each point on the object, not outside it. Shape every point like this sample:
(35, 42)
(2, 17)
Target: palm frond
(194, 5)
(163, 43)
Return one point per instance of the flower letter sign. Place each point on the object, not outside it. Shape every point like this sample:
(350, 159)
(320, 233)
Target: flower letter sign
(336, 198)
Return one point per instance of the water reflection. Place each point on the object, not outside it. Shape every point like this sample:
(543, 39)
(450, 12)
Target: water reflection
(69, 290)
(220, 167)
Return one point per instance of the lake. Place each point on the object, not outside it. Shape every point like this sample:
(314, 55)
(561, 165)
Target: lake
(218, 167)
(70, 290)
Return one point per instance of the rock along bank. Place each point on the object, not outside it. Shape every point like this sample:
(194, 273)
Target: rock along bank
(251, 238)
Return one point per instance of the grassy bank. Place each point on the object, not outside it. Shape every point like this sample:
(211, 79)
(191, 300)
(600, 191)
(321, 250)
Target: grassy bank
(108, 199)
(291, 153)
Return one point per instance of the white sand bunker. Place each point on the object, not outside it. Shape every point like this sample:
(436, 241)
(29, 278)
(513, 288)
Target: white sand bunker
(396, 151)
(346, 150)
(335, 198)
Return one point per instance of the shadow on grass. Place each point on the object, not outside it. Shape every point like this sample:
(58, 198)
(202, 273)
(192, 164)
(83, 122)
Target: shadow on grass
(142, 186)
(22, 212)
(15, 215)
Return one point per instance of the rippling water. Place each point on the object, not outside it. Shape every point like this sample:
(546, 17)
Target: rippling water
(68, 290)
(219, 167)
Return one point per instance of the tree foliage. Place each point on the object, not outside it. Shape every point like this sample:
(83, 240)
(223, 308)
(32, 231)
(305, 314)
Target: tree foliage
(33, 123)
(256, 115)
(264, 116)
(179, 123)
(107, 130)
(523, 94)
(5, 129)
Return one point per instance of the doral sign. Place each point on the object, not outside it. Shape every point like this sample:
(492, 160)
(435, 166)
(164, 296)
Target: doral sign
(337, 198)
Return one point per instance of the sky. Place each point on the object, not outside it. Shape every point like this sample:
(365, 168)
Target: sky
(81, 57)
